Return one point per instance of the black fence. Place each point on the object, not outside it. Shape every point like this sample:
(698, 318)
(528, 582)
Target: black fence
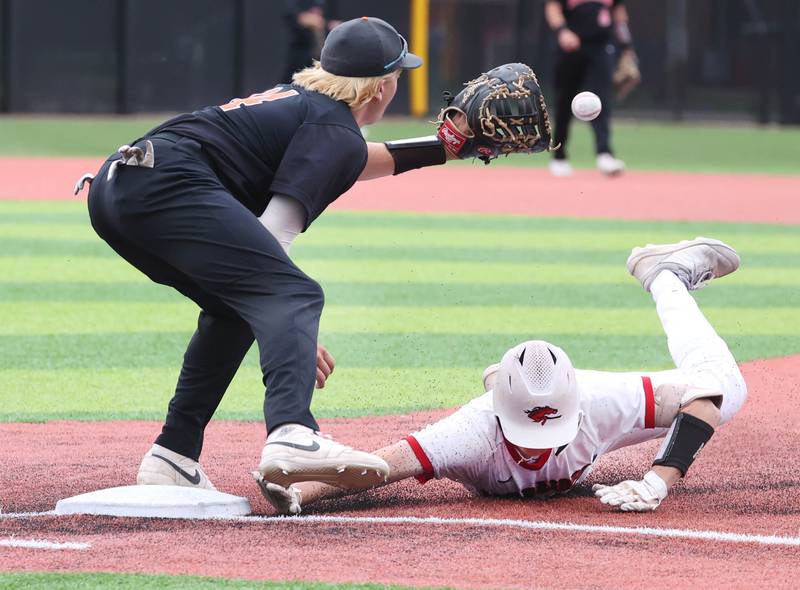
(707, 58)
(123, 56)
(699, 58)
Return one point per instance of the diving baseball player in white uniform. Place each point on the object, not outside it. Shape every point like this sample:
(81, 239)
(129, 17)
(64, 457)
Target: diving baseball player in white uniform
(542, 425)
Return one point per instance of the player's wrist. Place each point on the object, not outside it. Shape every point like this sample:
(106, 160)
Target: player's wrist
(451, 136)
(669, 476)
(623, 35)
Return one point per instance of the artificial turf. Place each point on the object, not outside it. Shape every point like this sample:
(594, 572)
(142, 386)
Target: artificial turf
(687, 147)
(91, 581)
(416, 306)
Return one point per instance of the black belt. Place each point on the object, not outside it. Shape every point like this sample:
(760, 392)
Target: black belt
(174, 138)
(167, 135)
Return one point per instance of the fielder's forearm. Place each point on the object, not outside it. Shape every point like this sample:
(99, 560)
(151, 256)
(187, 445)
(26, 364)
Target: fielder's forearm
(392, 157)
(403, 463)
(621, 30)
(379, 162)
(396, 157)
(554, 15)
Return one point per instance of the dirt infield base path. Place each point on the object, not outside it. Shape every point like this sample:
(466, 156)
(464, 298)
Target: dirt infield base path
(503, 190)
(745, 482)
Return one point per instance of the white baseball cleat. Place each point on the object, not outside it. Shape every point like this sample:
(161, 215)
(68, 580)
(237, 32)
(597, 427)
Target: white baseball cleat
(560, 168)
(695, 262)
(490, 376)
(295, 453)
(609, 165)
(163, 467)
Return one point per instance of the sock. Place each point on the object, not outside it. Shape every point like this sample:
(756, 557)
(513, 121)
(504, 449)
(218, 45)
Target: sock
(664, 282)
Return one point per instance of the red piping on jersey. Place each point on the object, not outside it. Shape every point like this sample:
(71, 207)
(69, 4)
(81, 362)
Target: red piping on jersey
(427, 466)
(526, 463)
(649, 403)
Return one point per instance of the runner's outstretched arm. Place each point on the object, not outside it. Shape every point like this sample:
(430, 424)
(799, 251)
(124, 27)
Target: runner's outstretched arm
(402, 461)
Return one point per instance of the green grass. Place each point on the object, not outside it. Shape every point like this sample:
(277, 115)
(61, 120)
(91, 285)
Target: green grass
(76, 581)
(687, 147)
(417, 306)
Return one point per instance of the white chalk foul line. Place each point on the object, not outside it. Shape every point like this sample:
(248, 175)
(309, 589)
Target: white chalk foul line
(42, 544)
(602, 529)
(719, 536)
(10, 515)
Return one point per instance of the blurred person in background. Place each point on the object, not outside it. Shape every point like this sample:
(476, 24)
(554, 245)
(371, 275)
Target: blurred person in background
(308, 22)
(588, 34)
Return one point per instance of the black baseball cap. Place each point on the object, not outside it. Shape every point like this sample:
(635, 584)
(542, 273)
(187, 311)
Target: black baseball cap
(366, 47)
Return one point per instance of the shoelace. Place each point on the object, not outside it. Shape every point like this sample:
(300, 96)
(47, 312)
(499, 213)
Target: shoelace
(704, 280)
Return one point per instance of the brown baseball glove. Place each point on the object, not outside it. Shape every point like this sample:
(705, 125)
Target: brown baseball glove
(627, 75)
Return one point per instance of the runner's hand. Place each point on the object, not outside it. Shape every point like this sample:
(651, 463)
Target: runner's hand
(285, 500)
(634, 496)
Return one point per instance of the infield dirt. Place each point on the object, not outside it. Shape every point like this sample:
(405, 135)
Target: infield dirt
(743, 482)
(503, 190)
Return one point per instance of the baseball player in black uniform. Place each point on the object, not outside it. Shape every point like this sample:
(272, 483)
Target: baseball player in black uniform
(307, 23)
(587, 31)
(209, 203)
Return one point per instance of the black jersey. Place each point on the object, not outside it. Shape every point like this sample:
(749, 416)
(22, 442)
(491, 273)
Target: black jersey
(589, 19)
(286, 140)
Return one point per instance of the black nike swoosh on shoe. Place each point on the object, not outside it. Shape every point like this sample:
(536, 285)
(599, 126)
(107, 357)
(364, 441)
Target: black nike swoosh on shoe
(505, 480)
(314, 446)
(193, 479)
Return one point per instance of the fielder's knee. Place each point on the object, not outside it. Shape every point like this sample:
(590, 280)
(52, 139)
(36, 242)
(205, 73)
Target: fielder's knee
(295, 286)
(312, 291)
(302, 299)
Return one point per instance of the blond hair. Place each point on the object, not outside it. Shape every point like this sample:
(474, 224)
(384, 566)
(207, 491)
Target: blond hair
(353, 91)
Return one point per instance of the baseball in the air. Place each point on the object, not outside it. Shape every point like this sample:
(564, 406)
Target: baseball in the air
(586, 106)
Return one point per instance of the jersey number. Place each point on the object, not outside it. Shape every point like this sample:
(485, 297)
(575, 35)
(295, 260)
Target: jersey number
(254, 99)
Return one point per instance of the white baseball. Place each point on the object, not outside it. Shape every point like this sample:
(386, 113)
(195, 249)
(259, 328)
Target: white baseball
(586, 106)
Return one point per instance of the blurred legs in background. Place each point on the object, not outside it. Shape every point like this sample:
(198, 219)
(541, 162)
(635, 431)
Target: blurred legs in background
(589, 68)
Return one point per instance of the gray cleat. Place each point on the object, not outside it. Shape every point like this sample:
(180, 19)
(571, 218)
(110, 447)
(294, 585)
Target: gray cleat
(695, 262)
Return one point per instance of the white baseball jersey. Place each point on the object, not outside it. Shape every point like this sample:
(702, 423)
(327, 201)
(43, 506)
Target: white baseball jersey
(618, 409)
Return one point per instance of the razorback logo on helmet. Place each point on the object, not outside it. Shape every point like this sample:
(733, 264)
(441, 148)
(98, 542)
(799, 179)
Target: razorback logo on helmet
(541, 414)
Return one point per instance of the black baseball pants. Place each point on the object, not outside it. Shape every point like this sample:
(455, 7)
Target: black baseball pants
(181, 227)
(589, 68)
